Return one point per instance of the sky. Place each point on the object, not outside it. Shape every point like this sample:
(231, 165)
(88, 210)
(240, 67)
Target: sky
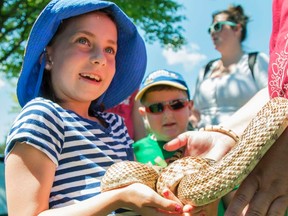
(192, 57)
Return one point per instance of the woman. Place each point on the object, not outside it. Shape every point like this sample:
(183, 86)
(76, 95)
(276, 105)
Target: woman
(229, 82)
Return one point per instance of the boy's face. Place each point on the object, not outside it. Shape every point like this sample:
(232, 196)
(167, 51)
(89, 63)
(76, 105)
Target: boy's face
(83, 56)
(168, 124)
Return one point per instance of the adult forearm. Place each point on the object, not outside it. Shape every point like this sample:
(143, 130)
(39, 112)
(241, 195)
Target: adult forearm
(239, 120)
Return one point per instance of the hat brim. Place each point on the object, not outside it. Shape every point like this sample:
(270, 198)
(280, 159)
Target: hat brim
(169, 83)
(131, 55)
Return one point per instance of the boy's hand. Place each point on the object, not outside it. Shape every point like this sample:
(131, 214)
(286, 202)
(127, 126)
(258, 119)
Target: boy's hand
(211, 145)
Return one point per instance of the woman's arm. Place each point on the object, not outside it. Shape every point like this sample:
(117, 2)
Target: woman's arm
(215, 145)
(260, 71)
(267, 183)
(240, 119)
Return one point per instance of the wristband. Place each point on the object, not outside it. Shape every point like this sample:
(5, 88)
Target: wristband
(221, 129)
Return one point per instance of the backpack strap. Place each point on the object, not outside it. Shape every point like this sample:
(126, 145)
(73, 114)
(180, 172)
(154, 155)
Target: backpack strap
(200, 77)
(251, 61)
(207, 67)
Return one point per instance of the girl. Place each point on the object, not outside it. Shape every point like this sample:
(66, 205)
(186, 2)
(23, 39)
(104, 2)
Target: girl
(81, 57)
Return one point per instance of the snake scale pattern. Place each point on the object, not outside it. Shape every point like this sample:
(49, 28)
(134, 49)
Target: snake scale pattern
(199, 181)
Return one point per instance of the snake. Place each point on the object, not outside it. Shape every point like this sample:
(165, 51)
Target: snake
(199, 181)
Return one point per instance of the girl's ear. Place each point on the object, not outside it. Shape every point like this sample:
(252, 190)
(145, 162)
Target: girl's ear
(48, 65)
(49, 61)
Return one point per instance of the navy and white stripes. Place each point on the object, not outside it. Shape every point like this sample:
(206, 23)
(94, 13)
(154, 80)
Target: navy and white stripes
(81, 149)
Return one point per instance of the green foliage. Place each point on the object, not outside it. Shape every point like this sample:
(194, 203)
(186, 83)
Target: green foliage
(2, 148)
(157, 18)
(17, 17)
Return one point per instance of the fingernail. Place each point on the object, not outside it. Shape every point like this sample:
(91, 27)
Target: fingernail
(188, 209)
(178, 208)
(166, 194)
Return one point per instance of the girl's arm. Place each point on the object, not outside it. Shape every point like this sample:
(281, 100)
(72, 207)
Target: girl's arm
(29, 178)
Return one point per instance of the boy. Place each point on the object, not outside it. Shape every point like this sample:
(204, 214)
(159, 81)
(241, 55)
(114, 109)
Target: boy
(165, 107)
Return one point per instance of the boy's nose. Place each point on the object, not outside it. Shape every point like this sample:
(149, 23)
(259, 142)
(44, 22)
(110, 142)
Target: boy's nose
(167, 112)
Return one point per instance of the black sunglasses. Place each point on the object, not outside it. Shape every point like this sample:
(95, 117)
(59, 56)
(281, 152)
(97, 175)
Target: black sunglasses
(217, 27)
(158, 108)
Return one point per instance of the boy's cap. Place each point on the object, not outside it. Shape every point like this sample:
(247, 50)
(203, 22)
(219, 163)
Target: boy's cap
(131, 56)
(162, 77)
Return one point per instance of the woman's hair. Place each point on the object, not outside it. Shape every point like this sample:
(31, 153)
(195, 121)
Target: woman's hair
(236, 14)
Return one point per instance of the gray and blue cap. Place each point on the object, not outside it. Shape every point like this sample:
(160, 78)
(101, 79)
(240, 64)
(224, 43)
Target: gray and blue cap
(162, 77)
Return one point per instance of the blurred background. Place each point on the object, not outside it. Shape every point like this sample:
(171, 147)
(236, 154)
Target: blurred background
(175, 32)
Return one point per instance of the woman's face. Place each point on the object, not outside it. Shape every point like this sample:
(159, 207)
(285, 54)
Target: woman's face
(82, 58)
(227, 35)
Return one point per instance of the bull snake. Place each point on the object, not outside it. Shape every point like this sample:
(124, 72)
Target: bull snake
(210, 180)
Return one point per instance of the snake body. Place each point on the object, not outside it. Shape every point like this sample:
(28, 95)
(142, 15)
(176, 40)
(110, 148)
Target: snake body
(199, 181)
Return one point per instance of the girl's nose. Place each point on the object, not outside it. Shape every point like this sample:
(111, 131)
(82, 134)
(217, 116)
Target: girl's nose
(98, 57)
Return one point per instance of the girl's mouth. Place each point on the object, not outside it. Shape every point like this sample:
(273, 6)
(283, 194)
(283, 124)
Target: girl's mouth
(91, 77)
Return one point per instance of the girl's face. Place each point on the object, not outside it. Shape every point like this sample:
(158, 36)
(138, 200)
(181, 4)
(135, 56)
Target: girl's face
(227, 37)
(170, 123)
(81, 58)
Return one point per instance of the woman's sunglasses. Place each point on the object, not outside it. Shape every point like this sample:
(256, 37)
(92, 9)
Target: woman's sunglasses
(158, 108)
(217, 27)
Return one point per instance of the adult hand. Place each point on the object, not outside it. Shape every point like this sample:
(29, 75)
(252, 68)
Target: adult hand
(265, 190)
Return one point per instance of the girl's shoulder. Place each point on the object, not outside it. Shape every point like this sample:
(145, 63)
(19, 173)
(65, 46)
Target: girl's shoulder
(40, 108)
(41, 104)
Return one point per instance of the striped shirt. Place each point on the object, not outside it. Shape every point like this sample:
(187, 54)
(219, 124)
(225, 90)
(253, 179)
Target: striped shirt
(81, 149)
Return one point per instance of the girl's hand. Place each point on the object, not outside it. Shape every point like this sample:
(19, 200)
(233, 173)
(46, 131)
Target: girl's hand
(209, 209)
(146, 201)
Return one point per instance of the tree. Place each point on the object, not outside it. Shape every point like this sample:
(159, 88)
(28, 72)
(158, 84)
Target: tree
(17, 18)
(157, 18)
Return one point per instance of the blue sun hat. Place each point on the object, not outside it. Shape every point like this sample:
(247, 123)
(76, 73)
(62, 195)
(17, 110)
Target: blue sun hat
(131, 58)
(162, 77)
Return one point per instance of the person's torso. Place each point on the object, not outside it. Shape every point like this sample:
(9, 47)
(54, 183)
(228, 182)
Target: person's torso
(218, 97)
(81, 149)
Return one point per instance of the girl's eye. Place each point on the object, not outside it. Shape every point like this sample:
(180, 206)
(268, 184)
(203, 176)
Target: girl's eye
(110, 50)
(83, 41)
